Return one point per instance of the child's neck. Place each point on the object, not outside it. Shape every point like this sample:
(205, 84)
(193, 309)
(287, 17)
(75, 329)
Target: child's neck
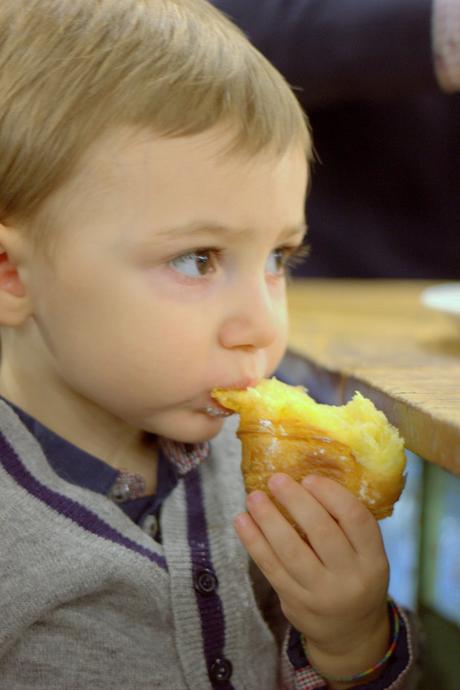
(142, 461)
(75, 419)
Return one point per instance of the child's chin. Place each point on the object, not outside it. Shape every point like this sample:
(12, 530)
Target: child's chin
(205, 429)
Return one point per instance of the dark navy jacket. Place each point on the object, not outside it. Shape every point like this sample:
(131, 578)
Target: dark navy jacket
(385, 199)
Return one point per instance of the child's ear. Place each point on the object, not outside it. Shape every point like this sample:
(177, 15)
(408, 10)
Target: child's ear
(15, 305)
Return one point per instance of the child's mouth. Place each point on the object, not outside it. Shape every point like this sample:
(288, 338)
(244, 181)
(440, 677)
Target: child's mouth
(212, 411)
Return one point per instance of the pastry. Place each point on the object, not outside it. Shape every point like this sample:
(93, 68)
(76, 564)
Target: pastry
(282, 429)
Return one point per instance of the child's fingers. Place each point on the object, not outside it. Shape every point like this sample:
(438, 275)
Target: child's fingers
(264, 556)
(355, 519)
(325, 536)
(296, 556)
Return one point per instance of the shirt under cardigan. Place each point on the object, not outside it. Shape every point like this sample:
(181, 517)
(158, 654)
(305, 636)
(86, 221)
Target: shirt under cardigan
(90, 600)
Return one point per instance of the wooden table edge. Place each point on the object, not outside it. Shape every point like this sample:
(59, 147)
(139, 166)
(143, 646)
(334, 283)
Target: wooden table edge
(336, 387)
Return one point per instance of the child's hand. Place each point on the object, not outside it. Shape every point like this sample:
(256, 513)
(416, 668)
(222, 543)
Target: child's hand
(333, 588)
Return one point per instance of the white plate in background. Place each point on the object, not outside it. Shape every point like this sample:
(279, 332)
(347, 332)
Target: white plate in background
(444, 297)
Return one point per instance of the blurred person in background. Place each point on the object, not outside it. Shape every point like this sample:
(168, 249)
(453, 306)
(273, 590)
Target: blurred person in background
(378, 81)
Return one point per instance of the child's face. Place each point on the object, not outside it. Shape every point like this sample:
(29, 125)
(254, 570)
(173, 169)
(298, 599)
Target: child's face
(166, 280)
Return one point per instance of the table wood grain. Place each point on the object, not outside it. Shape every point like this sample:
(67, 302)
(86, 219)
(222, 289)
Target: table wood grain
(376, 337)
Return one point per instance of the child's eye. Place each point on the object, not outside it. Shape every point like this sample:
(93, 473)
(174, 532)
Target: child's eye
(284, 258)
(275, 261)
(195, 264)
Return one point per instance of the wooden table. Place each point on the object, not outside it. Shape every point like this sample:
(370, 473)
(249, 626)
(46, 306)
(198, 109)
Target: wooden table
(376, 337)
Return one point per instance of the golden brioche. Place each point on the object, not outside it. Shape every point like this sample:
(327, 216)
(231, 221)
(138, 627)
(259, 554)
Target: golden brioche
(282, 429)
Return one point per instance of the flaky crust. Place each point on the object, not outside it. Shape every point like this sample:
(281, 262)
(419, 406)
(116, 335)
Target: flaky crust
(287, 442)
(299, 450)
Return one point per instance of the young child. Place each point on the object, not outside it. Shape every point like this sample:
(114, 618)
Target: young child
(153, 173)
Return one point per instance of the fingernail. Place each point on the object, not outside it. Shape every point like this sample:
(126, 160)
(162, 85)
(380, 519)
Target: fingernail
(257, 497)
(277, 481)
(308, 481)
(241, 520)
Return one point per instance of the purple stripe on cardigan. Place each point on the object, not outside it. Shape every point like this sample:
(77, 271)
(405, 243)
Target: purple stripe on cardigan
(66, 507)
(210, 607)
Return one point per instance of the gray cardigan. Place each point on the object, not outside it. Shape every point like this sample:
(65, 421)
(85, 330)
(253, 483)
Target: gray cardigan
(91, 601)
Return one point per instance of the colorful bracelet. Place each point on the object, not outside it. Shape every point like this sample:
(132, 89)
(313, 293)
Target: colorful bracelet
(370, 671)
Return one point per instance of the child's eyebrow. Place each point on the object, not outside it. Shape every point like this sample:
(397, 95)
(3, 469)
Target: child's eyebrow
(211, 228)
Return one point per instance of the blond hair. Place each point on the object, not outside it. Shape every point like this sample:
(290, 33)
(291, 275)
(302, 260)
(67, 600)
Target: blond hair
(72, 69)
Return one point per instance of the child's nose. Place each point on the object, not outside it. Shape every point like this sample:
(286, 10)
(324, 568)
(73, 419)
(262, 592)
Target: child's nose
(253, 320)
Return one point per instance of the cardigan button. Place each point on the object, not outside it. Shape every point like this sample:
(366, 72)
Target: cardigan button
(220, 671)
(205, 582)
(151, 526)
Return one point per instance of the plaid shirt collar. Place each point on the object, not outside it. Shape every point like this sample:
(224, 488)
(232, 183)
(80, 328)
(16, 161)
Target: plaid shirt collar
(184, 456)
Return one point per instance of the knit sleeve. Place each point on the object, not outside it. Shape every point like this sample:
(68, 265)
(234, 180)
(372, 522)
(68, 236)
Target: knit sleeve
(446, 43)
(399, 673)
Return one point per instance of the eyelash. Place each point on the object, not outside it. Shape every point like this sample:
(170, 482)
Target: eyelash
(296, 256)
